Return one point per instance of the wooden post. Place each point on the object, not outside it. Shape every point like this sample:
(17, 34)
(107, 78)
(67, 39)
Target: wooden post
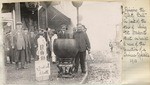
(46, 17)
(14, 20)
(17, 12)
(77, 15)
(38, 18)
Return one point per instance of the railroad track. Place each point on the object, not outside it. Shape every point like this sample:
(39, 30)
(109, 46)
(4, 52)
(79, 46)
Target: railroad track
(83, 81)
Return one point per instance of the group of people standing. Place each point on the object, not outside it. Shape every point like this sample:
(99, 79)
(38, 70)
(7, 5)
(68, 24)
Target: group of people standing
(20, 44)
(83, 44)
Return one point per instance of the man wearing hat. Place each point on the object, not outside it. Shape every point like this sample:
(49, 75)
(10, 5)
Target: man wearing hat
(83, 44)
(8, 42)
(19, 40)
(62, 33)
(27, 46)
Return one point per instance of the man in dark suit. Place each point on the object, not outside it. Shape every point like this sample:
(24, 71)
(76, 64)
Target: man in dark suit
(27, 46)
(62, 34)
(20, 46)
(83, 44)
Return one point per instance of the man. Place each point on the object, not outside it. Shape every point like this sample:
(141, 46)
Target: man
(62, 33)
(20, 46)
(49, 41)
(83, 44)
(54, 59)
(111, 46)
(84, 28)
(27, 46)
(7, 42)
(40, 33)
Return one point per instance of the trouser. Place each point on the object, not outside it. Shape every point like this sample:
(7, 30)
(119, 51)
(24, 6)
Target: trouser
(5, 56)
(80, 58)
(49, 53)
(111, 49)
(20, 56)
(54, 58)
(12, 55)
(33, 51)
(27, 55)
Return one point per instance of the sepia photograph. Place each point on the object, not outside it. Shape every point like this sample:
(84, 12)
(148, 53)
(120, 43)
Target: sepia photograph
(62, 42)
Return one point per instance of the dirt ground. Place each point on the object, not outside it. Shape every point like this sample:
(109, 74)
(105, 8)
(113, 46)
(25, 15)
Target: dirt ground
(27, 76)
(105, 68)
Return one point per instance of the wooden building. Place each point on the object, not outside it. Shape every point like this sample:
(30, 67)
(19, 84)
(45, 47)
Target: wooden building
(34, 15)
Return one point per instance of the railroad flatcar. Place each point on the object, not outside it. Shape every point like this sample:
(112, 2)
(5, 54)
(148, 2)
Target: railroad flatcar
(65, 51)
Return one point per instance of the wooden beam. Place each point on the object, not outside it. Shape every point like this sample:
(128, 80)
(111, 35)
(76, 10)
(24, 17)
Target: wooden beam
(17, 12)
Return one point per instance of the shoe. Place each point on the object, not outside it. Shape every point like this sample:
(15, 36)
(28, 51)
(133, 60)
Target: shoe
(54, 62)
(17, 68)
(24, 67)
(83, 72)
(75, 71)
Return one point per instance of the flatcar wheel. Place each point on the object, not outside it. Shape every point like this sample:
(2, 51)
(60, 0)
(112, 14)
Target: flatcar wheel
(73, 75)
(70, 71)
(73, 69)
(59, 75)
